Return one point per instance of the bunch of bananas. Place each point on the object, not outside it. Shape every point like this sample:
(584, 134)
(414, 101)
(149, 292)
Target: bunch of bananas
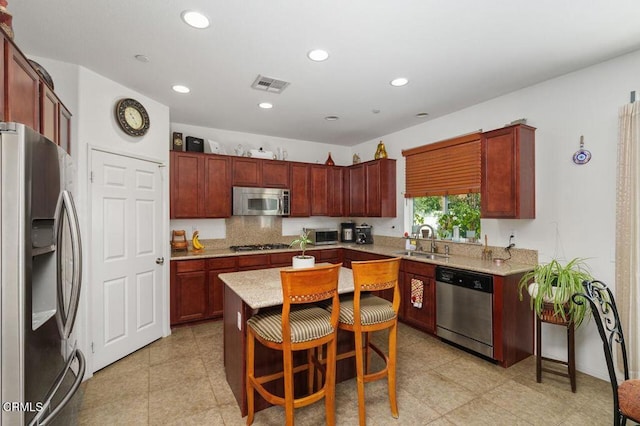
(197, 245)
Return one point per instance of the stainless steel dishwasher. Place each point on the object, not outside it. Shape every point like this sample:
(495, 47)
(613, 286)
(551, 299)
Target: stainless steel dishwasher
(464, 309)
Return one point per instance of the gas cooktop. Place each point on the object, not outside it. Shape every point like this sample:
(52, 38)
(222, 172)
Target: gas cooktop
(254, 247)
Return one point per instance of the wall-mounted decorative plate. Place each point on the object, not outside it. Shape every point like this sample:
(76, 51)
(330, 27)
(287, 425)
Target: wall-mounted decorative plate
(582, 156)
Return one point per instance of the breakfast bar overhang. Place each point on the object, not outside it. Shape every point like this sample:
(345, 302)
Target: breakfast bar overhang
(245, 294)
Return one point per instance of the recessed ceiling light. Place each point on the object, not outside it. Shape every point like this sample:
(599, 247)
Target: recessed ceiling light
(422, 114)
(399, 82)
(181, 89)
(142, 58)
(331, 117)
(265, 105)
(195, 19)
(318, 55)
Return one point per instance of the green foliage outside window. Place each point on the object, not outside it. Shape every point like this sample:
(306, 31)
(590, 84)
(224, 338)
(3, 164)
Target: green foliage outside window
(462, 211)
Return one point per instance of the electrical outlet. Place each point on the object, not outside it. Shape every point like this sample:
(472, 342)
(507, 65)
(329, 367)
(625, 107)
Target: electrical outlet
(239, 321)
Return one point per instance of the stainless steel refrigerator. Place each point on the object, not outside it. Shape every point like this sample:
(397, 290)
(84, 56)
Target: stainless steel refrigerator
(41, 270)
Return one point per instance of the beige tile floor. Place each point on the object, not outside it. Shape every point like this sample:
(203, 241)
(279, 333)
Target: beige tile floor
(180, 380)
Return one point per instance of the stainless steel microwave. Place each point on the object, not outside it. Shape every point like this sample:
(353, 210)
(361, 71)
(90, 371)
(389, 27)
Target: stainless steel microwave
(260, 201)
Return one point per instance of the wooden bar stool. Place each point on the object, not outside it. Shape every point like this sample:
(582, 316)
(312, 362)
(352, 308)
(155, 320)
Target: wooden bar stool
(548, 316)
(363, 313)
(300, 325)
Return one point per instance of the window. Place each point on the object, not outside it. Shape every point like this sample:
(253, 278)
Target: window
(443, 181)
(445, 212)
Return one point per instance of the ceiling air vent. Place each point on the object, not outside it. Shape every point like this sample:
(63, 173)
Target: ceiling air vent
(268, 84)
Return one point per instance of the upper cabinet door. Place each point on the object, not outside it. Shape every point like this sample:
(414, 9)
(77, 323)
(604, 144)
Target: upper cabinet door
(508, 173)
(275, 174)
(247, 172)
(22, 90)
(357, 187)
(186, 190)
(336, 191)
(300, 191)
(217, 186)
(49, 113)
(319, 190)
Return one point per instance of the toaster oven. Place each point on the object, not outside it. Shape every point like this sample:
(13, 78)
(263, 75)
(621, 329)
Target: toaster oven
(322, 236)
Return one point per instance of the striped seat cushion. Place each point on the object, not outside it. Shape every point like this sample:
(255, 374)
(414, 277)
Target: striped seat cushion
(373, 309)
(307, 323)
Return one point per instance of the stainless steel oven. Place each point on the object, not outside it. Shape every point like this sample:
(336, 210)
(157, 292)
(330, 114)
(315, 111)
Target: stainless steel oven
(464, 309)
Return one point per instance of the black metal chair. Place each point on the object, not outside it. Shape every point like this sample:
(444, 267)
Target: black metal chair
(626, 394)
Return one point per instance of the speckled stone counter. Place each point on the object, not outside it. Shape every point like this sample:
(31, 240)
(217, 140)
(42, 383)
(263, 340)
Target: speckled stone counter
(262, 288)
(455, 260)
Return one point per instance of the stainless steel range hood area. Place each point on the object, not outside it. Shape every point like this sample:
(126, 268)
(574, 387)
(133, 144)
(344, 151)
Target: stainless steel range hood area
(260, 201)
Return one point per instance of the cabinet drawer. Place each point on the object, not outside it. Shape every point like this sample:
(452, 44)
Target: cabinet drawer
(258, 260)
(222, 263)
(420, 268)
(283, 259)
(326, 254)
(190, 265)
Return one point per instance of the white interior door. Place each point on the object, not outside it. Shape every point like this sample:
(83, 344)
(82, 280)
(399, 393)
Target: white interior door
(126, 281)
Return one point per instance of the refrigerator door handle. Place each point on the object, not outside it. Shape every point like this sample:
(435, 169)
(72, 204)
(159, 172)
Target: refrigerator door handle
(40, 419)
(66, 319)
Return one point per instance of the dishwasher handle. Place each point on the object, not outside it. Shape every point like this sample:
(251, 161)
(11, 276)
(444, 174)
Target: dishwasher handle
(467, 279)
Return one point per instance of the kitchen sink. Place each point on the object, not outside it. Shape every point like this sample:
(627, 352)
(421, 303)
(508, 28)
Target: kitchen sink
(423, 254)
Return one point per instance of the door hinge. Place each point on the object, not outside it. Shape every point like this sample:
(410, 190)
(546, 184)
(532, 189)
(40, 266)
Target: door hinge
(92, 350)
(91, 176)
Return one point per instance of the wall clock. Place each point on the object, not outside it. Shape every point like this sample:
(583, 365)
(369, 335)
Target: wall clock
(132, 117)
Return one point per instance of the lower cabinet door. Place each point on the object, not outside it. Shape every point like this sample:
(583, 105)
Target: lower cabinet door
(422, 317)
(216, 293)
(190, 296)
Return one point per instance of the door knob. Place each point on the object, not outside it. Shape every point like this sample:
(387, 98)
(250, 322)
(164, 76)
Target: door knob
(160, 260)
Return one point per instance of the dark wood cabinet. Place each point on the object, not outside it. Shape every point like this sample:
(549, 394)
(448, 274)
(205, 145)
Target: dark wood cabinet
(275, 174)
(186, 176)
(319, 190)
(336, 191)
(64, 128)
(300, 190)
(355, 196)
(372, 189)
(256, 172)
(217, 190)
(22, 89)
(26, 98)
(508, 173)
(246, 171)
(196, 290)
(215, 286)
(326, 190)
(200, 185)
(49, 116)
(188, 291)
(421, 317)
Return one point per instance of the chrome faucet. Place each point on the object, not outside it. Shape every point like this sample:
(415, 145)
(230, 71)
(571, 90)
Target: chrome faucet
(432, 233)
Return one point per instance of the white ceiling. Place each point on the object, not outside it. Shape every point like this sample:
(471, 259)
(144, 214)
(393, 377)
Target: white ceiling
(455, 54)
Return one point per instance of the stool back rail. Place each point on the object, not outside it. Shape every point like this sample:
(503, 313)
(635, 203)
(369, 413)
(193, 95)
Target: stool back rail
(626, 394)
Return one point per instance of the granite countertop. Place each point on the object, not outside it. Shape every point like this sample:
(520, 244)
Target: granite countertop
(262, 288)
(454, 261)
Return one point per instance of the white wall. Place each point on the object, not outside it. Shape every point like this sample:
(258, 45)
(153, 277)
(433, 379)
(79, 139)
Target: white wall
(575, 205)
(91, 98)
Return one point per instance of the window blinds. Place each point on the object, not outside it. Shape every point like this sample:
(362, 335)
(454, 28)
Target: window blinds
(452, 166)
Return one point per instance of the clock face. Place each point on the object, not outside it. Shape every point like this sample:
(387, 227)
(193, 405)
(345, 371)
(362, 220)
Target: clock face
(132, 117)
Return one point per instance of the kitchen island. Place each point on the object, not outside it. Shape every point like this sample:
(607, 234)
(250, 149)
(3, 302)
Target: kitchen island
(245, 294)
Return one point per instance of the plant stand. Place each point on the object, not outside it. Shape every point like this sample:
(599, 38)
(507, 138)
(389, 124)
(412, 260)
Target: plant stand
(548, 316)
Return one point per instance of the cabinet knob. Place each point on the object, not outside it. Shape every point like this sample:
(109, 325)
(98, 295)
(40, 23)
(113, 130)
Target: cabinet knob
(160, 260)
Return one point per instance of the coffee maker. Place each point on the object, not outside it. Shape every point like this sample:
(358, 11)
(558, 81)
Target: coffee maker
(348, 232)
(364, 234)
